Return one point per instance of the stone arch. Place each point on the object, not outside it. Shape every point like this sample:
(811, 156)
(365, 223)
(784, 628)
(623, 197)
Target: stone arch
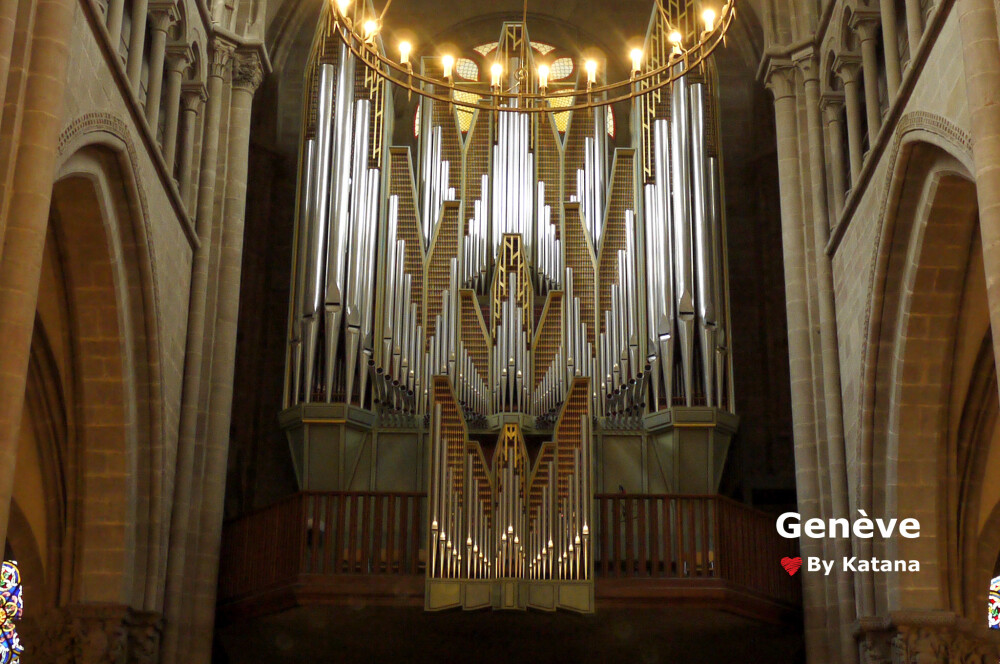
(99, 225)
(979, 440)
(47, 428)
(922, 259)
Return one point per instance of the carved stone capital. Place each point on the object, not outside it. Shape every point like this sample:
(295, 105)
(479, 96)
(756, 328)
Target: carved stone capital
(179, 57)
(832, 103)
(780, 78)
(808, 63)
(847, 66)
(92, 634)
(866, 23)
(162, 15)
(925, 637)
(221, 53)
(248, 71)
(192, 96)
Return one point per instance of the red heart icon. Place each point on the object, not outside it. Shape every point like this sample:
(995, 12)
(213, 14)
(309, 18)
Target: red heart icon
(791, 565)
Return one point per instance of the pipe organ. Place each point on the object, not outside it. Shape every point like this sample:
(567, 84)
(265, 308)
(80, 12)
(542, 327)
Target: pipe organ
(519, 300)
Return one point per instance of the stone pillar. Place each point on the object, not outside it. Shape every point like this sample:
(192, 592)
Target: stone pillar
(832, 105)
(914, 26)
(194, 98)
(116, 11)
(178, 60)
(866, 26)
(8, 23)
(175, 604)
(836, 452)
(890, 47)
(136, 43)
(27, 223)
(247, 75)
(781, 82)
(847, 70)
(981, 53)
(162, 20)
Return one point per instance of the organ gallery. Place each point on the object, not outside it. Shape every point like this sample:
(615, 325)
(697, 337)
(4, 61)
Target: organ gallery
(512, 293)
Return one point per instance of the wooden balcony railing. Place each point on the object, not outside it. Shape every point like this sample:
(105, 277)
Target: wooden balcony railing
(344, 538)
(691, 537)
(328, 533)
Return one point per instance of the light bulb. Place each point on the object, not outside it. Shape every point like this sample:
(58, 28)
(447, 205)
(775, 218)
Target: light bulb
(496, 71)
(709, 17)
(591, 67)
(636, 56)
(404, 52)
(543, 76)
(448, 62)
(676, 39)
(371, 27)
(342, 5)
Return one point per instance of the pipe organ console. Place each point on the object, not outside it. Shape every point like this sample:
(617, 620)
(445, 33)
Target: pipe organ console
(520, 301)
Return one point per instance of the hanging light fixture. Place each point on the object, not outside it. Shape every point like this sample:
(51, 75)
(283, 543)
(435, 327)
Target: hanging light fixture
(529, 91)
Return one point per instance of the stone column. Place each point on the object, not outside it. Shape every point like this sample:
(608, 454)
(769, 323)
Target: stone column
(847, 70)
(890, 47)
(781, 82)
(981, 53)
(175, 604)
(116, 11)
(194, 98)
(162, 19)
(866, 26)
(27, 223)
(247, 75)
(8, 23)
(136, 43)
(832, 105)
(836, 452)
(178, 59)
(914, 26)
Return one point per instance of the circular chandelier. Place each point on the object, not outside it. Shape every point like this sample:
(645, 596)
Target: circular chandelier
(525, 90)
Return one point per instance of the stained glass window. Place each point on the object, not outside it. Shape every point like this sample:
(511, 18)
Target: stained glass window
(464, 112)
(11, 609)
(561, 69)
(485, 49)
(562, 119)
(995, 603)
(467, 69)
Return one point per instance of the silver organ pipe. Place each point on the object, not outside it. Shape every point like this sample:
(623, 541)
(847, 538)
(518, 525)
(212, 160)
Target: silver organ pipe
(307, 224)
(702, 207)
(358, 246)
(339, 216)
(316, 267)
(683, 263)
